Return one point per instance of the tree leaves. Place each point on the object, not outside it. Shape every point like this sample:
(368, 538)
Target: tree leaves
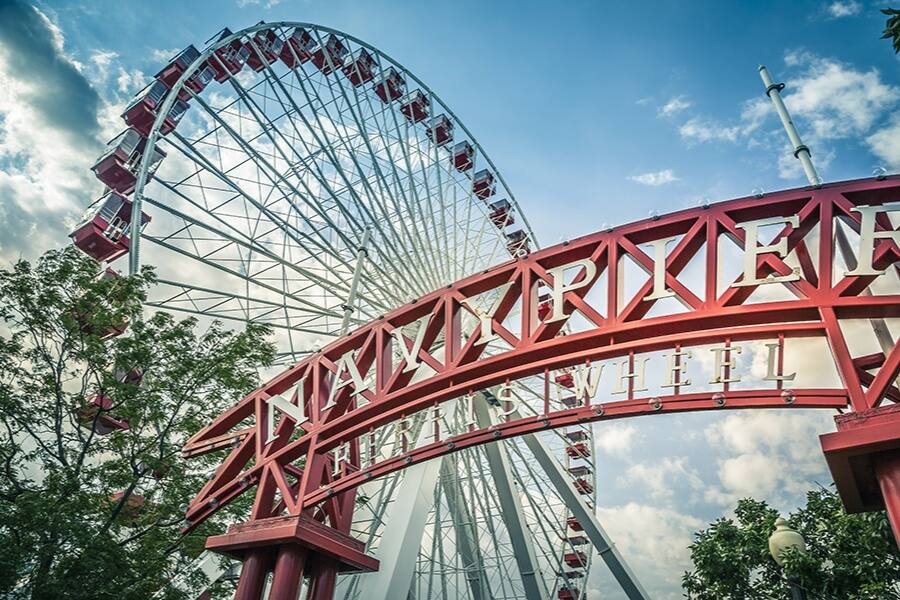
(851, 557)
(63, 535)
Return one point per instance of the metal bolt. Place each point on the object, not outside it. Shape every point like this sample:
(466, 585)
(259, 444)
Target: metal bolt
(656, 403)
(214, 502)
(719, 399)
(788, 396)
(450, 445)
(546, 422)
(599, 411)
(408, 459)
(496, 434)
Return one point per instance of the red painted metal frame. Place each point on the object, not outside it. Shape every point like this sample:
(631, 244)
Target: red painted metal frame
(620, 327)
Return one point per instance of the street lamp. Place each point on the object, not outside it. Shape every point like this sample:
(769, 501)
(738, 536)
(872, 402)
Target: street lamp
(781, 539)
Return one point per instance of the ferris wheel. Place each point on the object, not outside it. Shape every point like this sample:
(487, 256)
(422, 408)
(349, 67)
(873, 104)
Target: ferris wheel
(293, 175)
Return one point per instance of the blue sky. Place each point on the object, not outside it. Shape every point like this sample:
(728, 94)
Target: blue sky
(596, 113)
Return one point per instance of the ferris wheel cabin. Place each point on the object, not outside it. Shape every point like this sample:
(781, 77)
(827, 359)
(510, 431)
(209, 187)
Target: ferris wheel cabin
(117, 167)
(95, 416)
(330, 55)
(361, 67)
(416, 106)
(103, 231)
(268, 48)
(391, 86)
(141, 112)
(229, 60)
(298, 49)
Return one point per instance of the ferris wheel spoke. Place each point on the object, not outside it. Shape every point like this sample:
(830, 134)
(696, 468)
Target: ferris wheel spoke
(359, 121)
(320, 134)
(410, 196)
(320, 176)
(297, 236)
(395, 240)
(251, 245)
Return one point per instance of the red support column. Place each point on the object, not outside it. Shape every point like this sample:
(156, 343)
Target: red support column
(322, 585)
(288, 572)
(887, 469)
(253, 576)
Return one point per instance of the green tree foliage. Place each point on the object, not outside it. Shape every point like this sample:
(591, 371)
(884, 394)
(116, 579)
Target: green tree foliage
(850, 557)
(64, 534)
(892, 27)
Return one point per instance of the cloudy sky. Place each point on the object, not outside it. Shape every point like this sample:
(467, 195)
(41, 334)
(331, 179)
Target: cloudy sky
(606, 111)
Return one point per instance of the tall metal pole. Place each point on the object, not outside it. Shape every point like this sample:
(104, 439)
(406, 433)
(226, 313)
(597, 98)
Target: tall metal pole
(801, 151)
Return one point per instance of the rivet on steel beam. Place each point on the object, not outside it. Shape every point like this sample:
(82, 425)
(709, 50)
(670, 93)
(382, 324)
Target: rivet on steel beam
(719, 399)
(656, 403)
(244, 482)
(214, 502)
(546, 422)
(450, 445)
(788, 396)
(496, 434)
(599, 411)
(408, 459)
(330, 492)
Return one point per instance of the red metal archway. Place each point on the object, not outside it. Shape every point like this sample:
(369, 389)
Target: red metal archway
(306, 463)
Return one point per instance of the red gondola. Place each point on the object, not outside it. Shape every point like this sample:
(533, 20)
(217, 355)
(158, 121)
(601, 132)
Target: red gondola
(570, 401)
(544, 306)
(573, 523)
(517, 242)
(177, 66)
(567, 593)
(578, 450)
(567, 380)
(197, 82)
(579, 435)
(583, 486)
(572, 574)
(298, 49)
(132, 508)
(268, 47)
(579, 470)
(416, 106)
(579, 540)
(439, 130)
(117, 167)
(103, 231)
(463, 156)
(104, 423)
(391, 86)
(360, 68)
(142, 110)
(330, 56)
(483, 184)
(501, 215)
(228, 60)
(575, 559)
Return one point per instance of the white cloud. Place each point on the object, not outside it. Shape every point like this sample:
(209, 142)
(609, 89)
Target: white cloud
(705, 130)
(163, 55)
(616, 439)
(662, 477)
(673, 106)
(844, 9)
(838, 100)
(267, 4)
(653, 541)
(769, 455)
(885, 144)
(48, 126)
(655, 178)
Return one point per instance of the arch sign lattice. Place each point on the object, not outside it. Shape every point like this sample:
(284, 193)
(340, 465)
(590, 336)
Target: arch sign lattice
(311, 435)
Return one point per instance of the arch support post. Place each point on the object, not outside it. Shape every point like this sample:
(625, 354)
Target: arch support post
(287, 545)
(864, 458)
